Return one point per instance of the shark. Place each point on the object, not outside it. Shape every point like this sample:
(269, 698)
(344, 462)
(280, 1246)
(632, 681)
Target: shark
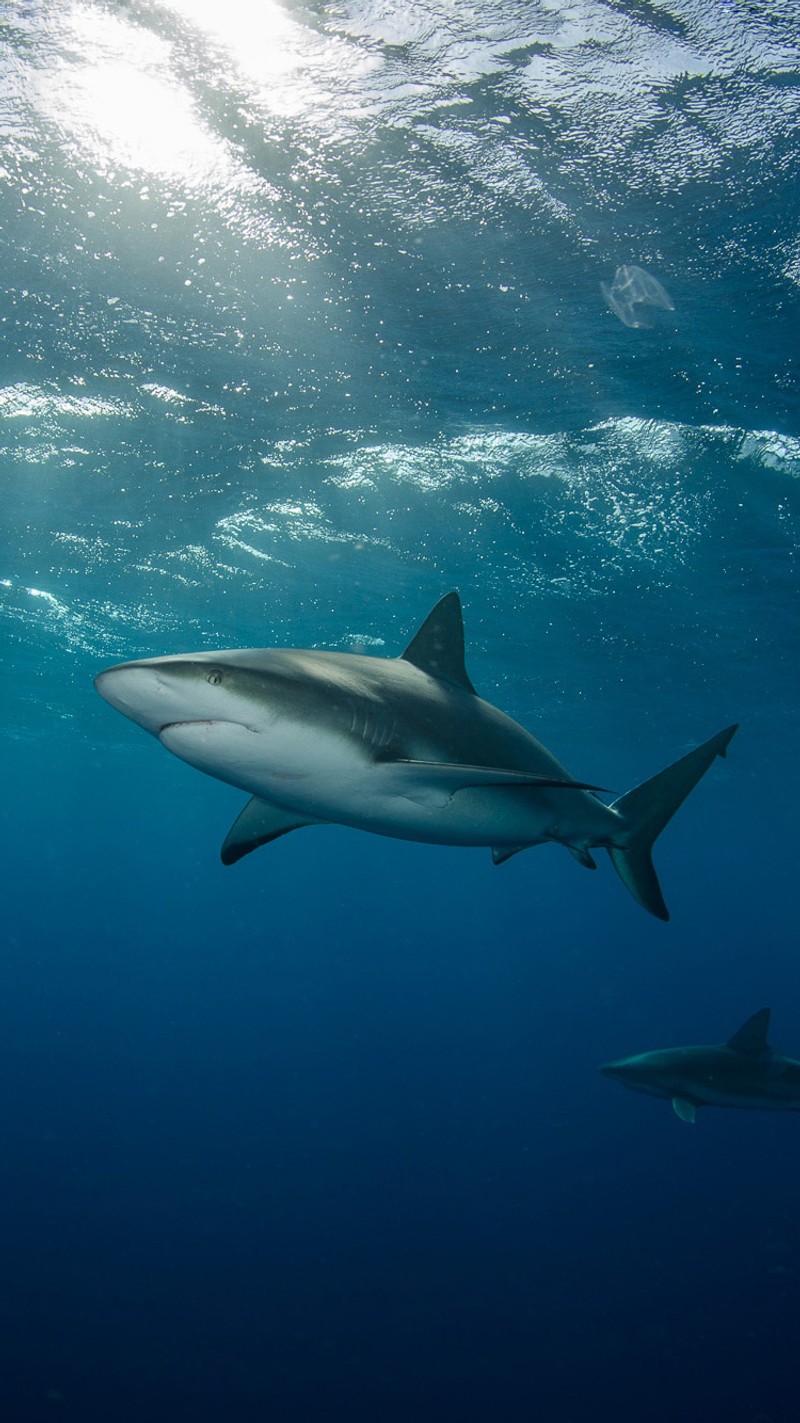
(743, 1072)
(400, 746)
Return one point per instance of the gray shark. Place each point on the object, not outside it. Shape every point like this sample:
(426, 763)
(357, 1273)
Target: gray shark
(399, 746)
(744, 1072)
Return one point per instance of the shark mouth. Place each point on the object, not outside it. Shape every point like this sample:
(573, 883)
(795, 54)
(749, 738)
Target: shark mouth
(174, 725)
(201, 724)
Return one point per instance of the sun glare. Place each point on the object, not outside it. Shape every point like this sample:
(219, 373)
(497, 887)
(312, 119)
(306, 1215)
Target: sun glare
(144, 123)
(258, 34)
(122, 106)
(121, 98)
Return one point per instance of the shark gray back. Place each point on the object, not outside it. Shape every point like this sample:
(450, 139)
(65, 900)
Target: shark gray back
(398, 746)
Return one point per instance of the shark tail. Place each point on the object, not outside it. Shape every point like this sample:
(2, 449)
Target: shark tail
(647, 809)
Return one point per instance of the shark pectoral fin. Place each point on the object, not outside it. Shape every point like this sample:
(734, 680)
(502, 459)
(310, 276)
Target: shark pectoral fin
(259, 823)
(685, 1110)
(434, 783)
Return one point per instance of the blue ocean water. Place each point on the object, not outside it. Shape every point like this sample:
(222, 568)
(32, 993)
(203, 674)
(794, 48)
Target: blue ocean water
(304, 325)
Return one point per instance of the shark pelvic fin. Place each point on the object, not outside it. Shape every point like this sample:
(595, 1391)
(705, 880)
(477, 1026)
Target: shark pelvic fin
(581, 854)
(647, 809)
(259, 823)
(438, 647)
(751, 1038)
(501, 853)
(685, 1110)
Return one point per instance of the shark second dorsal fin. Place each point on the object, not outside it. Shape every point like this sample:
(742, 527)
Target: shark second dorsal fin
(438, 647)
(752, 1036)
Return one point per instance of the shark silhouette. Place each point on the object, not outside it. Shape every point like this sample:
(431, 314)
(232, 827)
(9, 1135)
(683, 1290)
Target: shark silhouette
(400, 746)
(743, 1072)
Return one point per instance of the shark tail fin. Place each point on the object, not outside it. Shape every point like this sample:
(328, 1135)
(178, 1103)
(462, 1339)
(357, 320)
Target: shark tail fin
(647, 809)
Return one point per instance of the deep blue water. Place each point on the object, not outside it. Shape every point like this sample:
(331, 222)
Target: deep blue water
(302, 327)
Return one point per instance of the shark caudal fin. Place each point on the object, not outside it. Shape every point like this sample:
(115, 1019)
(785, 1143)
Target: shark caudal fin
(646, 811)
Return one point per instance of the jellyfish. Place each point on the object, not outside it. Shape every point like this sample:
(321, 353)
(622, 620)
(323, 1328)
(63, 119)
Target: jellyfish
(631, 293)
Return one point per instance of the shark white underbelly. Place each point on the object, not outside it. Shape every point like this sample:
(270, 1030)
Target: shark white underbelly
(326, 777)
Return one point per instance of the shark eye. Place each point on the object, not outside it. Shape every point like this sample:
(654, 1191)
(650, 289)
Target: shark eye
(214, 677)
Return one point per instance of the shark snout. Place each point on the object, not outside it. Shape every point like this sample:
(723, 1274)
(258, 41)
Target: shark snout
(116, 686)
(137, 690)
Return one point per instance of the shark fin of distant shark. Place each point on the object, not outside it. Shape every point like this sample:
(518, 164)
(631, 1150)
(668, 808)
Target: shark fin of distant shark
(685, 1110)
(438, 647)
(751, 1038)
(434, 783)
(259, 823)
(647, 809)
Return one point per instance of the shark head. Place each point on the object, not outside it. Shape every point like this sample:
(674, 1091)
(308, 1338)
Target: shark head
(165, 692)
(650, 1072)
(223, 713)
(251, 717)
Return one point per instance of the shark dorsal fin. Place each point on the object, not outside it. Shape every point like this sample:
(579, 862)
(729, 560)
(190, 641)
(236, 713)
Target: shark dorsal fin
(752, 1036)
(438, 647)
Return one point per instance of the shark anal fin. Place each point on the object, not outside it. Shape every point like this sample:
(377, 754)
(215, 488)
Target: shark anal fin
(259, 823)
(751, 1038)
(438, 647)
(435, 782)
(685, 1110)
